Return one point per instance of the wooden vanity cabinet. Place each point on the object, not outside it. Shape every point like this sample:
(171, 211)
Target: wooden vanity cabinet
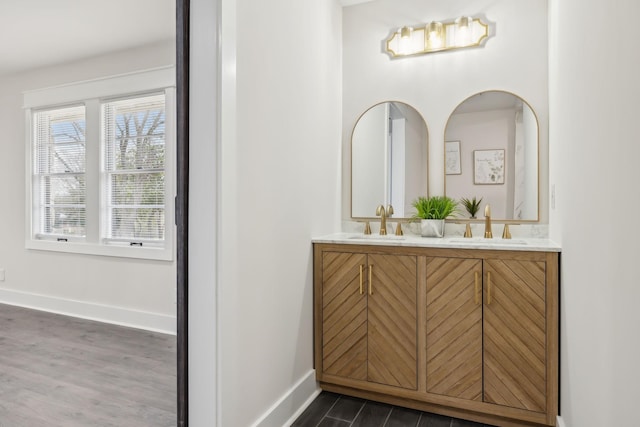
(486, 330)
(368, 318)
(461, 332)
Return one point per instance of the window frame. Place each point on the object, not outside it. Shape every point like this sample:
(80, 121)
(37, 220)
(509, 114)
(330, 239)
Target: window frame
(37, 180)
(106, 202)
(92, 94)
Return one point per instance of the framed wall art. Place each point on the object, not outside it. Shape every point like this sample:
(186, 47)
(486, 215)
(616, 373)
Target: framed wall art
(488, 167)
(452, 158)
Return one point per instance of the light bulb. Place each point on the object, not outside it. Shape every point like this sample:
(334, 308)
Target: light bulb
(464, 27)
(405, 45)
(434, 32)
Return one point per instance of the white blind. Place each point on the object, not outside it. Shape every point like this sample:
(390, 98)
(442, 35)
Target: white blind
(134, 153)
(59, 172)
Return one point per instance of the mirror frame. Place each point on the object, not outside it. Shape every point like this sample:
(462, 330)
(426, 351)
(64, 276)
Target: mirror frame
(496, 220)
(182, 209)
(426, 177)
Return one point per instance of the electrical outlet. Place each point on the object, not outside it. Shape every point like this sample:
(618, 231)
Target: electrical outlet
(1, 274)
(553, 196)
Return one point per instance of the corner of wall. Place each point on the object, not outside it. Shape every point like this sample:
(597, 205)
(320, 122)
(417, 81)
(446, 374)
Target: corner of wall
(285, 411)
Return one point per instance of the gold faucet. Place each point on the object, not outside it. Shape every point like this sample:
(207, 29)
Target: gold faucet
(506, 234)
(367, 228)
(487, 223)
(399, 231)
(467, 231)
(383, 214)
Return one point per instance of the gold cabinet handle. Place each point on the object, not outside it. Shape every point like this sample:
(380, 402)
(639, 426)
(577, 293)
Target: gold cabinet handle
(477, 288)
(370, 279)
(488, 288)
(361, 268)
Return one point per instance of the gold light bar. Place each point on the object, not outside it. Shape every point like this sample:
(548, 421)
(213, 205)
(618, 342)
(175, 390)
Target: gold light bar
(436, 36)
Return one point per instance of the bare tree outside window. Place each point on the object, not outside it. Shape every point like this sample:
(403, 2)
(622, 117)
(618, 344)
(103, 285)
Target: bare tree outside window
(135, 152)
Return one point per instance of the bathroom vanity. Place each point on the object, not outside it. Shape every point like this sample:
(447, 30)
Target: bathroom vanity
(460, 327)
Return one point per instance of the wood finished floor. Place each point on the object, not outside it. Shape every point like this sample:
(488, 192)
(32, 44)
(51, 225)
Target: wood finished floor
(60, 371)
(335, 410)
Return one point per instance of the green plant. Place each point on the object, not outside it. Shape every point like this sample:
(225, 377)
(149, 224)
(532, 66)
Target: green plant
(471, 205)
(436, 207)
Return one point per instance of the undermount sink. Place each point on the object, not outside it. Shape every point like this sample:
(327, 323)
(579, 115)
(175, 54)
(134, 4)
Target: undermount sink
(483, 241)
(376, 237)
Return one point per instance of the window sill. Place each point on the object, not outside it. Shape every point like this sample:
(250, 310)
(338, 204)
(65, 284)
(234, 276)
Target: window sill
(150, 253)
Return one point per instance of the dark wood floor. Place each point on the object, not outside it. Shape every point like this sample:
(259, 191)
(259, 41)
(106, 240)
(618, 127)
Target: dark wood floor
(60, 371)
(335, 410)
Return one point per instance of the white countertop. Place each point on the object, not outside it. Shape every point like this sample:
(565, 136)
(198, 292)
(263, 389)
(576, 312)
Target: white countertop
(456, 242)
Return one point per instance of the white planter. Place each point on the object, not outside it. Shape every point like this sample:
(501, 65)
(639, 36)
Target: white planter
(432, 227)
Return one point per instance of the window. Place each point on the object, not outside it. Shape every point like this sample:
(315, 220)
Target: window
(134, 152)
(59, 178)
(101, 170)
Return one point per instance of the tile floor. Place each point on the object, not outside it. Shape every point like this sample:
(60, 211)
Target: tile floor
(335, 410)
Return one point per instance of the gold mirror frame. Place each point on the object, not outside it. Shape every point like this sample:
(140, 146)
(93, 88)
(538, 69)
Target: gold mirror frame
(508, 159)
(386, 199)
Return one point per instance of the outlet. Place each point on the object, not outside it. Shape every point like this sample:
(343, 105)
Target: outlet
(553, 196)
(1, 274)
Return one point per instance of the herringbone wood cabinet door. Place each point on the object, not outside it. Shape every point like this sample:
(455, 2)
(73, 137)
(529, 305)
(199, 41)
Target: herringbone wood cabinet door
(515, 334)
(344, 316)
(454, 327)
(370, 335)
(392, 350)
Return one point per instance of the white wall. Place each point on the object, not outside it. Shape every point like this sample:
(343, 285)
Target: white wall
(279, 172)
(515, 60)
(203, 218)
(137, 292)
(594, 91)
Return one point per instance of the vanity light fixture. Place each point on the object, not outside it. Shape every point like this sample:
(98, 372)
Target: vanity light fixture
(436, 36)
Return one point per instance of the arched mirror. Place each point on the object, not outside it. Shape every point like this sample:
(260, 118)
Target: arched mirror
(389, 147)
(491, 150)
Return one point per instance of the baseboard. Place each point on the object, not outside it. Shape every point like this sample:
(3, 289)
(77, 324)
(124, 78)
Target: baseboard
(560, 422)
(91, 311)
(304, 406)
(291, 404)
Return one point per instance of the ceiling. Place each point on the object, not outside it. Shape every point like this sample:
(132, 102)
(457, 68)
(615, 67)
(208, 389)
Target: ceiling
(37, 33)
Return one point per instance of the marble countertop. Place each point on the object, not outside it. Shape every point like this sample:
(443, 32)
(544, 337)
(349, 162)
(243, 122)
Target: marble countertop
(456, 242)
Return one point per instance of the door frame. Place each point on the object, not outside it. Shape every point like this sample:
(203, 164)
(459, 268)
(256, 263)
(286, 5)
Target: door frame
(182, 208)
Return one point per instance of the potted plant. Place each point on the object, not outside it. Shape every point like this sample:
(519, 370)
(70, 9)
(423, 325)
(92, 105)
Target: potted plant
(432, 211)
(471, 205)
